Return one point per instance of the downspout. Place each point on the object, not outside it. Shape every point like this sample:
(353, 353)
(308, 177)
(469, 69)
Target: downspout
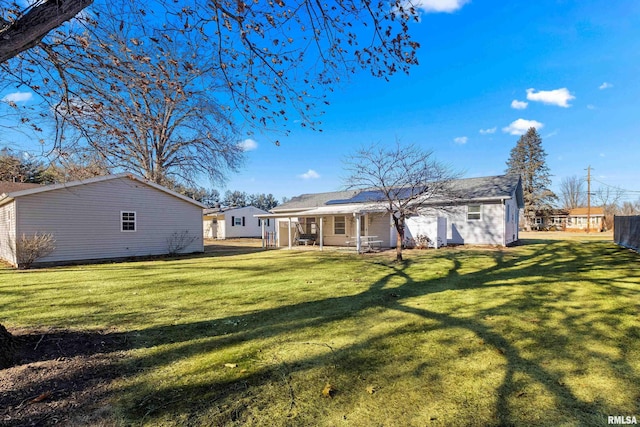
(505, 221)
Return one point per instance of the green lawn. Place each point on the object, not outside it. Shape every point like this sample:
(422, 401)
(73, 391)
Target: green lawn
(546, 333)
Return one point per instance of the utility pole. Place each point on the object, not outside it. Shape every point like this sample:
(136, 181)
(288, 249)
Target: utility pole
(588, 198)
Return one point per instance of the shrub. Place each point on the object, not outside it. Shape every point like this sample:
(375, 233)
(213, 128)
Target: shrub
(29, 249)
(421, 241)
(177, 241)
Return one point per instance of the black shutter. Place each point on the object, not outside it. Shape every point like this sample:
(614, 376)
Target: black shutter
(233, 221)
(243, 221)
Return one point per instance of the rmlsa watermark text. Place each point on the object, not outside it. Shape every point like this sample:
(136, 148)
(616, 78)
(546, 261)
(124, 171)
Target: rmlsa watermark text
(622, 420)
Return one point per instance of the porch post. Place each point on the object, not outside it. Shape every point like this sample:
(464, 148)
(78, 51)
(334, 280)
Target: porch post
(262, 231)
(289, 232)
(321, 232)
(358, 243)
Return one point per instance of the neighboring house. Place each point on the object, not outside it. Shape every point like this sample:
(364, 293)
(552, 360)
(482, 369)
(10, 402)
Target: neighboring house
(570, 219)
(483, 211)
(551, 219)
(9, 187)
(231, 222)
(115, 216)
(578, 219)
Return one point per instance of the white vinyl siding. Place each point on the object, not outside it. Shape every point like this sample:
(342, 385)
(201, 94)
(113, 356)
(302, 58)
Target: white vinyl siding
(95, 231)
(127, 221)
(488, 230)
(474, 212)
(7, 232)
(241, 222)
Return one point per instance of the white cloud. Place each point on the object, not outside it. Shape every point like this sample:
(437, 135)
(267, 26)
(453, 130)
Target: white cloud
(488, 131)
(605, 85)
(438, 6)
(460, 140)
(310, 174)
(521, 126)
(591, 107)
(248, 145)
(559, 97)
(519, 105)
(18, 97)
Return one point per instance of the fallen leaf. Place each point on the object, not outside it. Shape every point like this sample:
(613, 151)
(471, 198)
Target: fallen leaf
(43, 396)
(372, 389)
(231, 365)
(328, 390)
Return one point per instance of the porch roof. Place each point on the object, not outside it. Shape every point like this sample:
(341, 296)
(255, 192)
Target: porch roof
(352, 209)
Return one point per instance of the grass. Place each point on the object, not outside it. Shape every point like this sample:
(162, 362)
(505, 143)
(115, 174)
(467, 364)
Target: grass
(547, 333)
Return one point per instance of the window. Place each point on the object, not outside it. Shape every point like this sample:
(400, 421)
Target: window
(127, 221)
(237, 220)
(474, 212)
(339, 225)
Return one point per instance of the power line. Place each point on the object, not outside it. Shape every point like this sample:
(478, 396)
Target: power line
(616, 188)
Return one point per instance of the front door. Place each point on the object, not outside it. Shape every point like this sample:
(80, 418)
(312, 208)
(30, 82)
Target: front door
(364, 225)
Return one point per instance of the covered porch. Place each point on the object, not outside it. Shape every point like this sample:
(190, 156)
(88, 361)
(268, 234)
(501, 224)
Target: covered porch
(360, 227)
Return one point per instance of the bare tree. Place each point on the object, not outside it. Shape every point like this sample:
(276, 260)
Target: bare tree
(76, 166)
(402, 177)
(572, 192)
(276, 59)
(609, 198)
(629, 208)
(146, 106)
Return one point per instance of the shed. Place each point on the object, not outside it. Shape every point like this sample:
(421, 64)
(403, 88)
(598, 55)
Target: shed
(108, 217)
(233, 222)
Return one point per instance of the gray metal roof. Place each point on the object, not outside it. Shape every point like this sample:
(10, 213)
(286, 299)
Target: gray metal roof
(308, 201)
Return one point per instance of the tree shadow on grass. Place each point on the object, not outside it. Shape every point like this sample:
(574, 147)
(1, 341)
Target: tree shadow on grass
(196, 338)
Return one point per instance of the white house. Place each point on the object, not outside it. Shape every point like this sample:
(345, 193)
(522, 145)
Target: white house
(115, 216)
(231, 222)
(479, 211)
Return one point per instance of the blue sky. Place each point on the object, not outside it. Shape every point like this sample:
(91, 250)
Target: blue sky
(488, 70)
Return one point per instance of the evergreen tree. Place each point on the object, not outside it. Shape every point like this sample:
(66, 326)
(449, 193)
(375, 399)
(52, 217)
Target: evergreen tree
(528, 159)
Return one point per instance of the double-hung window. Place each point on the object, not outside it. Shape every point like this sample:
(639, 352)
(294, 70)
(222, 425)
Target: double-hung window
(474, 212)
(127, 221)
(339, 225)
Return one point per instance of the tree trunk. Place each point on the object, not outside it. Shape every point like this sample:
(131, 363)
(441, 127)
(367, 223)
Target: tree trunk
(7, 348)
(399, 224)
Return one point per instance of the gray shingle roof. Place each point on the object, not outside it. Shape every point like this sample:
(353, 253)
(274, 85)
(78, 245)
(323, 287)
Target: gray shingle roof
(486, 187)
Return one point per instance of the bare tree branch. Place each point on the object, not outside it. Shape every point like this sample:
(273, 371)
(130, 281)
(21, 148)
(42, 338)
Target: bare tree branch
(26, 30)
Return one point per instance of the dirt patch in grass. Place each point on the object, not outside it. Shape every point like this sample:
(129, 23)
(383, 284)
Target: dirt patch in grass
(61, 378)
